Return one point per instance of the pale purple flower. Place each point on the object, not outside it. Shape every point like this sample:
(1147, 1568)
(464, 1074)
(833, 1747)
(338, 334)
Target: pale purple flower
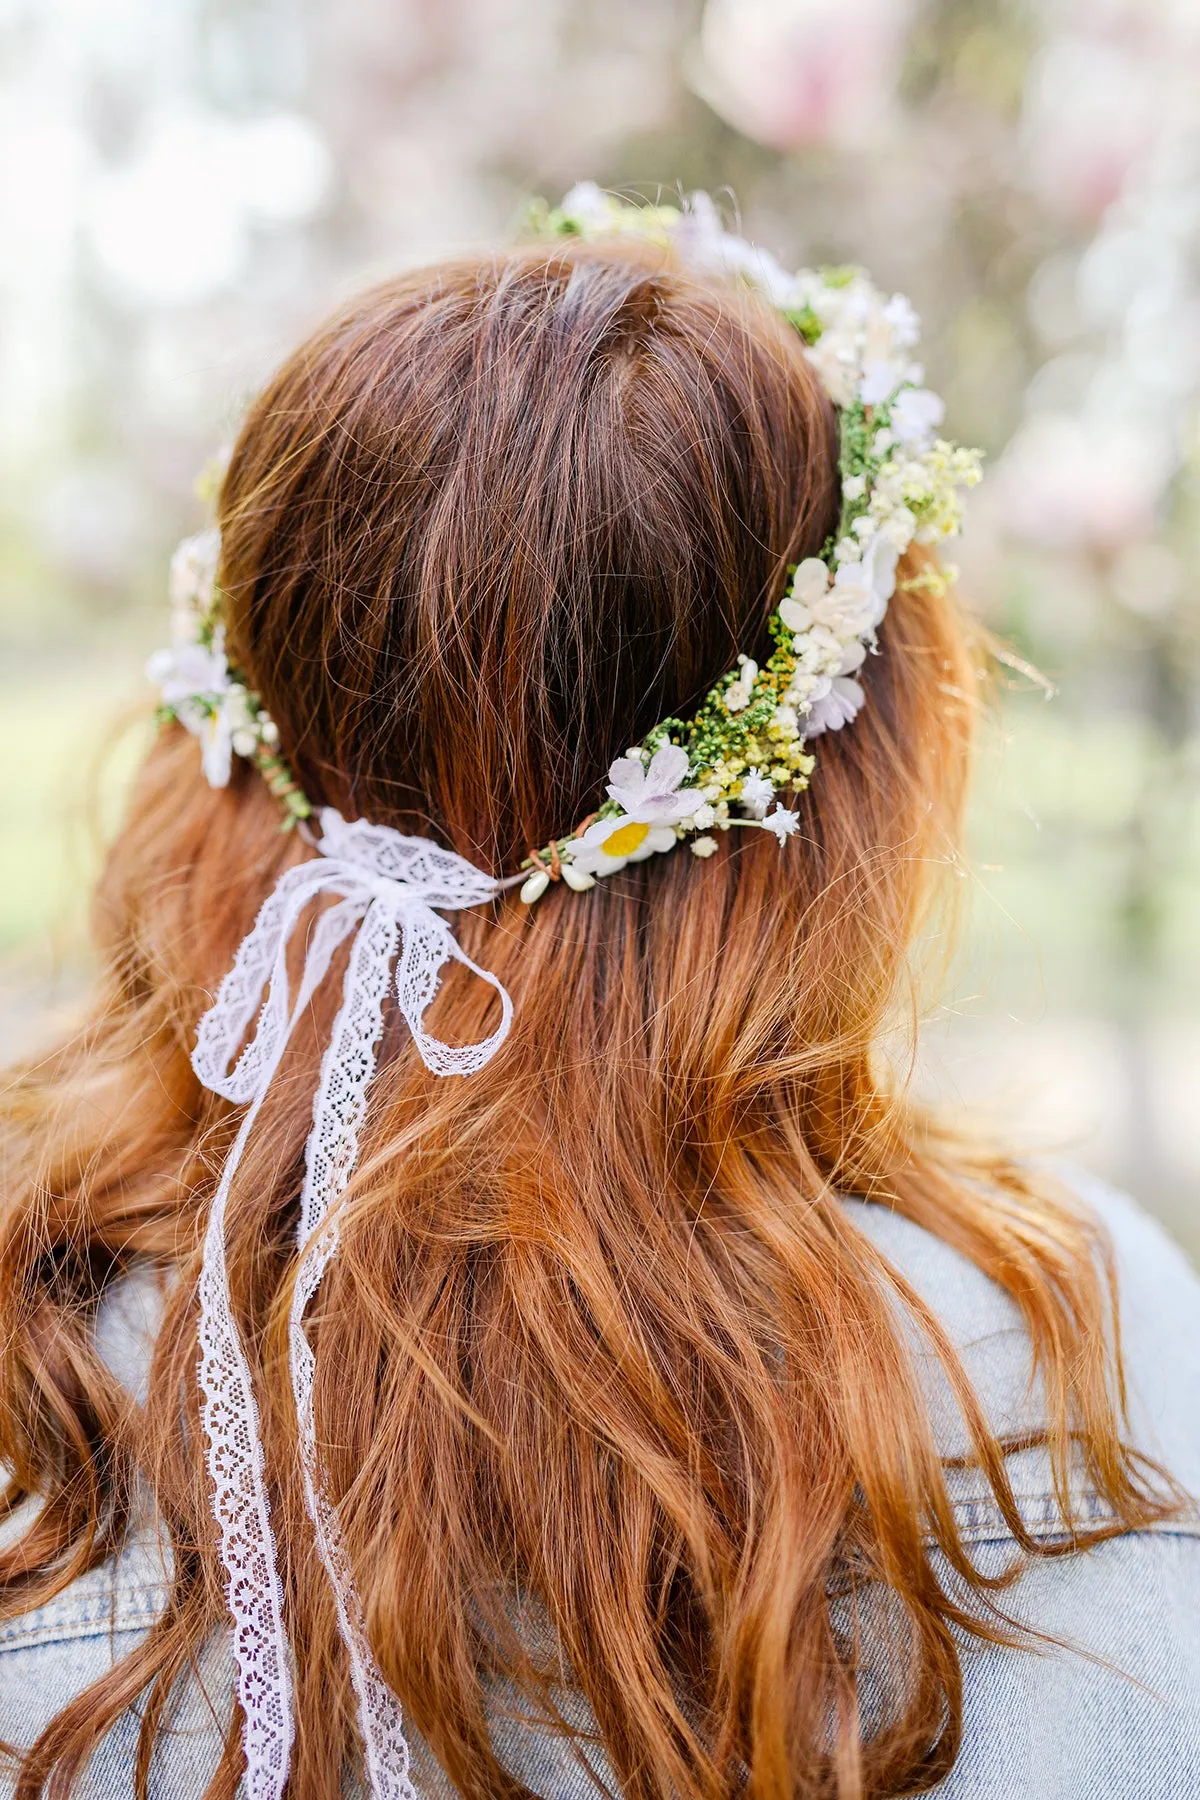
(840, 706)
(653, 796)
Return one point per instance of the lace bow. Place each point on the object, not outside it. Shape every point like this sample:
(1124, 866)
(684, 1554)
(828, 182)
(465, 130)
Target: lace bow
(388, 886)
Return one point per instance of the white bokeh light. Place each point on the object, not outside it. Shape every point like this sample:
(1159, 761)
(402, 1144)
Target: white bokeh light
(173, 222)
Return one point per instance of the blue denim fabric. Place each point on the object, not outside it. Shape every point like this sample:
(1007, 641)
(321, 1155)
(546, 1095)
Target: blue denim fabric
(1115, 1715)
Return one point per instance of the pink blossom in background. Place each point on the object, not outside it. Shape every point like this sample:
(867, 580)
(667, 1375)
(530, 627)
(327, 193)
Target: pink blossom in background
(1088, 120)
(1070, 484)
(800, 73)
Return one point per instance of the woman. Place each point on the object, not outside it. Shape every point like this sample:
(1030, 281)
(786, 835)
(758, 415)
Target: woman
(612, 1381)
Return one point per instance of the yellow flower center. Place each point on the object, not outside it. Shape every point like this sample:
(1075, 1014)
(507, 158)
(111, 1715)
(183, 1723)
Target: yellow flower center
(625, 840)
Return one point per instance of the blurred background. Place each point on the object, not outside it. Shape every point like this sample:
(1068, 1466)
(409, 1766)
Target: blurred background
(189, 184)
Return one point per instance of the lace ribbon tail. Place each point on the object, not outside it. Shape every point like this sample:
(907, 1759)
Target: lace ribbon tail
(228, 1409)
(229, 1417)
(332, 1150)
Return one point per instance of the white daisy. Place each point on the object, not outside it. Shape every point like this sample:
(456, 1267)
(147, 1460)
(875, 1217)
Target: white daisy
(609, 844)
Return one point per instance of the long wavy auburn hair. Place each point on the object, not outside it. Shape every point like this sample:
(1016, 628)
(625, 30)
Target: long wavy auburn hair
(601, 1331)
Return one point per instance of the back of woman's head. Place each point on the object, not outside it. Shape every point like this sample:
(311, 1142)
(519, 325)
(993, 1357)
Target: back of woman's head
(499, 518)
(601, 1331)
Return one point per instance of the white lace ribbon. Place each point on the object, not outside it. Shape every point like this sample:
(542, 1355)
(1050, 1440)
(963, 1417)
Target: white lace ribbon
(388, 886)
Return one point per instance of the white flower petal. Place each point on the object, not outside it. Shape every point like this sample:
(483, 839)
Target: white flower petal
(216, 752)
(628, 774)
(668, 767)
(810, 580)
(840, 706)
(658, 839)
(194, 571)
(916, 414)
(796, 615)
(880, 379)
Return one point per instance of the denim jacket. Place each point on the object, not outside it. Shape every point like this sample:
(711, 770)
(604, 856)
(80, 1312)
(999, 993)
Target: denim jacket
(1111, 1709)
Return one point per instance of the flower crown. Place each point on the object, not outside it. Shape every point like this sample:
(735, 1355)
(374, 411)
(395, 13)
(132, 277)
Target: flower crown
(726, 766)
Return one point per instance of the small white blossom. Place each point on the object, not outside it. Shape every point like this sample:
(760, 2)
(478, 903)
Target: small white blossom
(703, 846)
(190, 672)
(836, 364)
(854, 487)
(739, 693)
(818, 651)
(899, 528)
(701, 239)
(216, 749)
(782, 822)
(757, 793)
(194, 572)
(916, 414)
(903, 322)
(703, 817)
(589, 207)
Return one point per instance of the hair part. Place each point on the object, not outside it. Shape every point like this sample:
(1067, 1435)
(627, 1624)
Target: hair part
(479, 533)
